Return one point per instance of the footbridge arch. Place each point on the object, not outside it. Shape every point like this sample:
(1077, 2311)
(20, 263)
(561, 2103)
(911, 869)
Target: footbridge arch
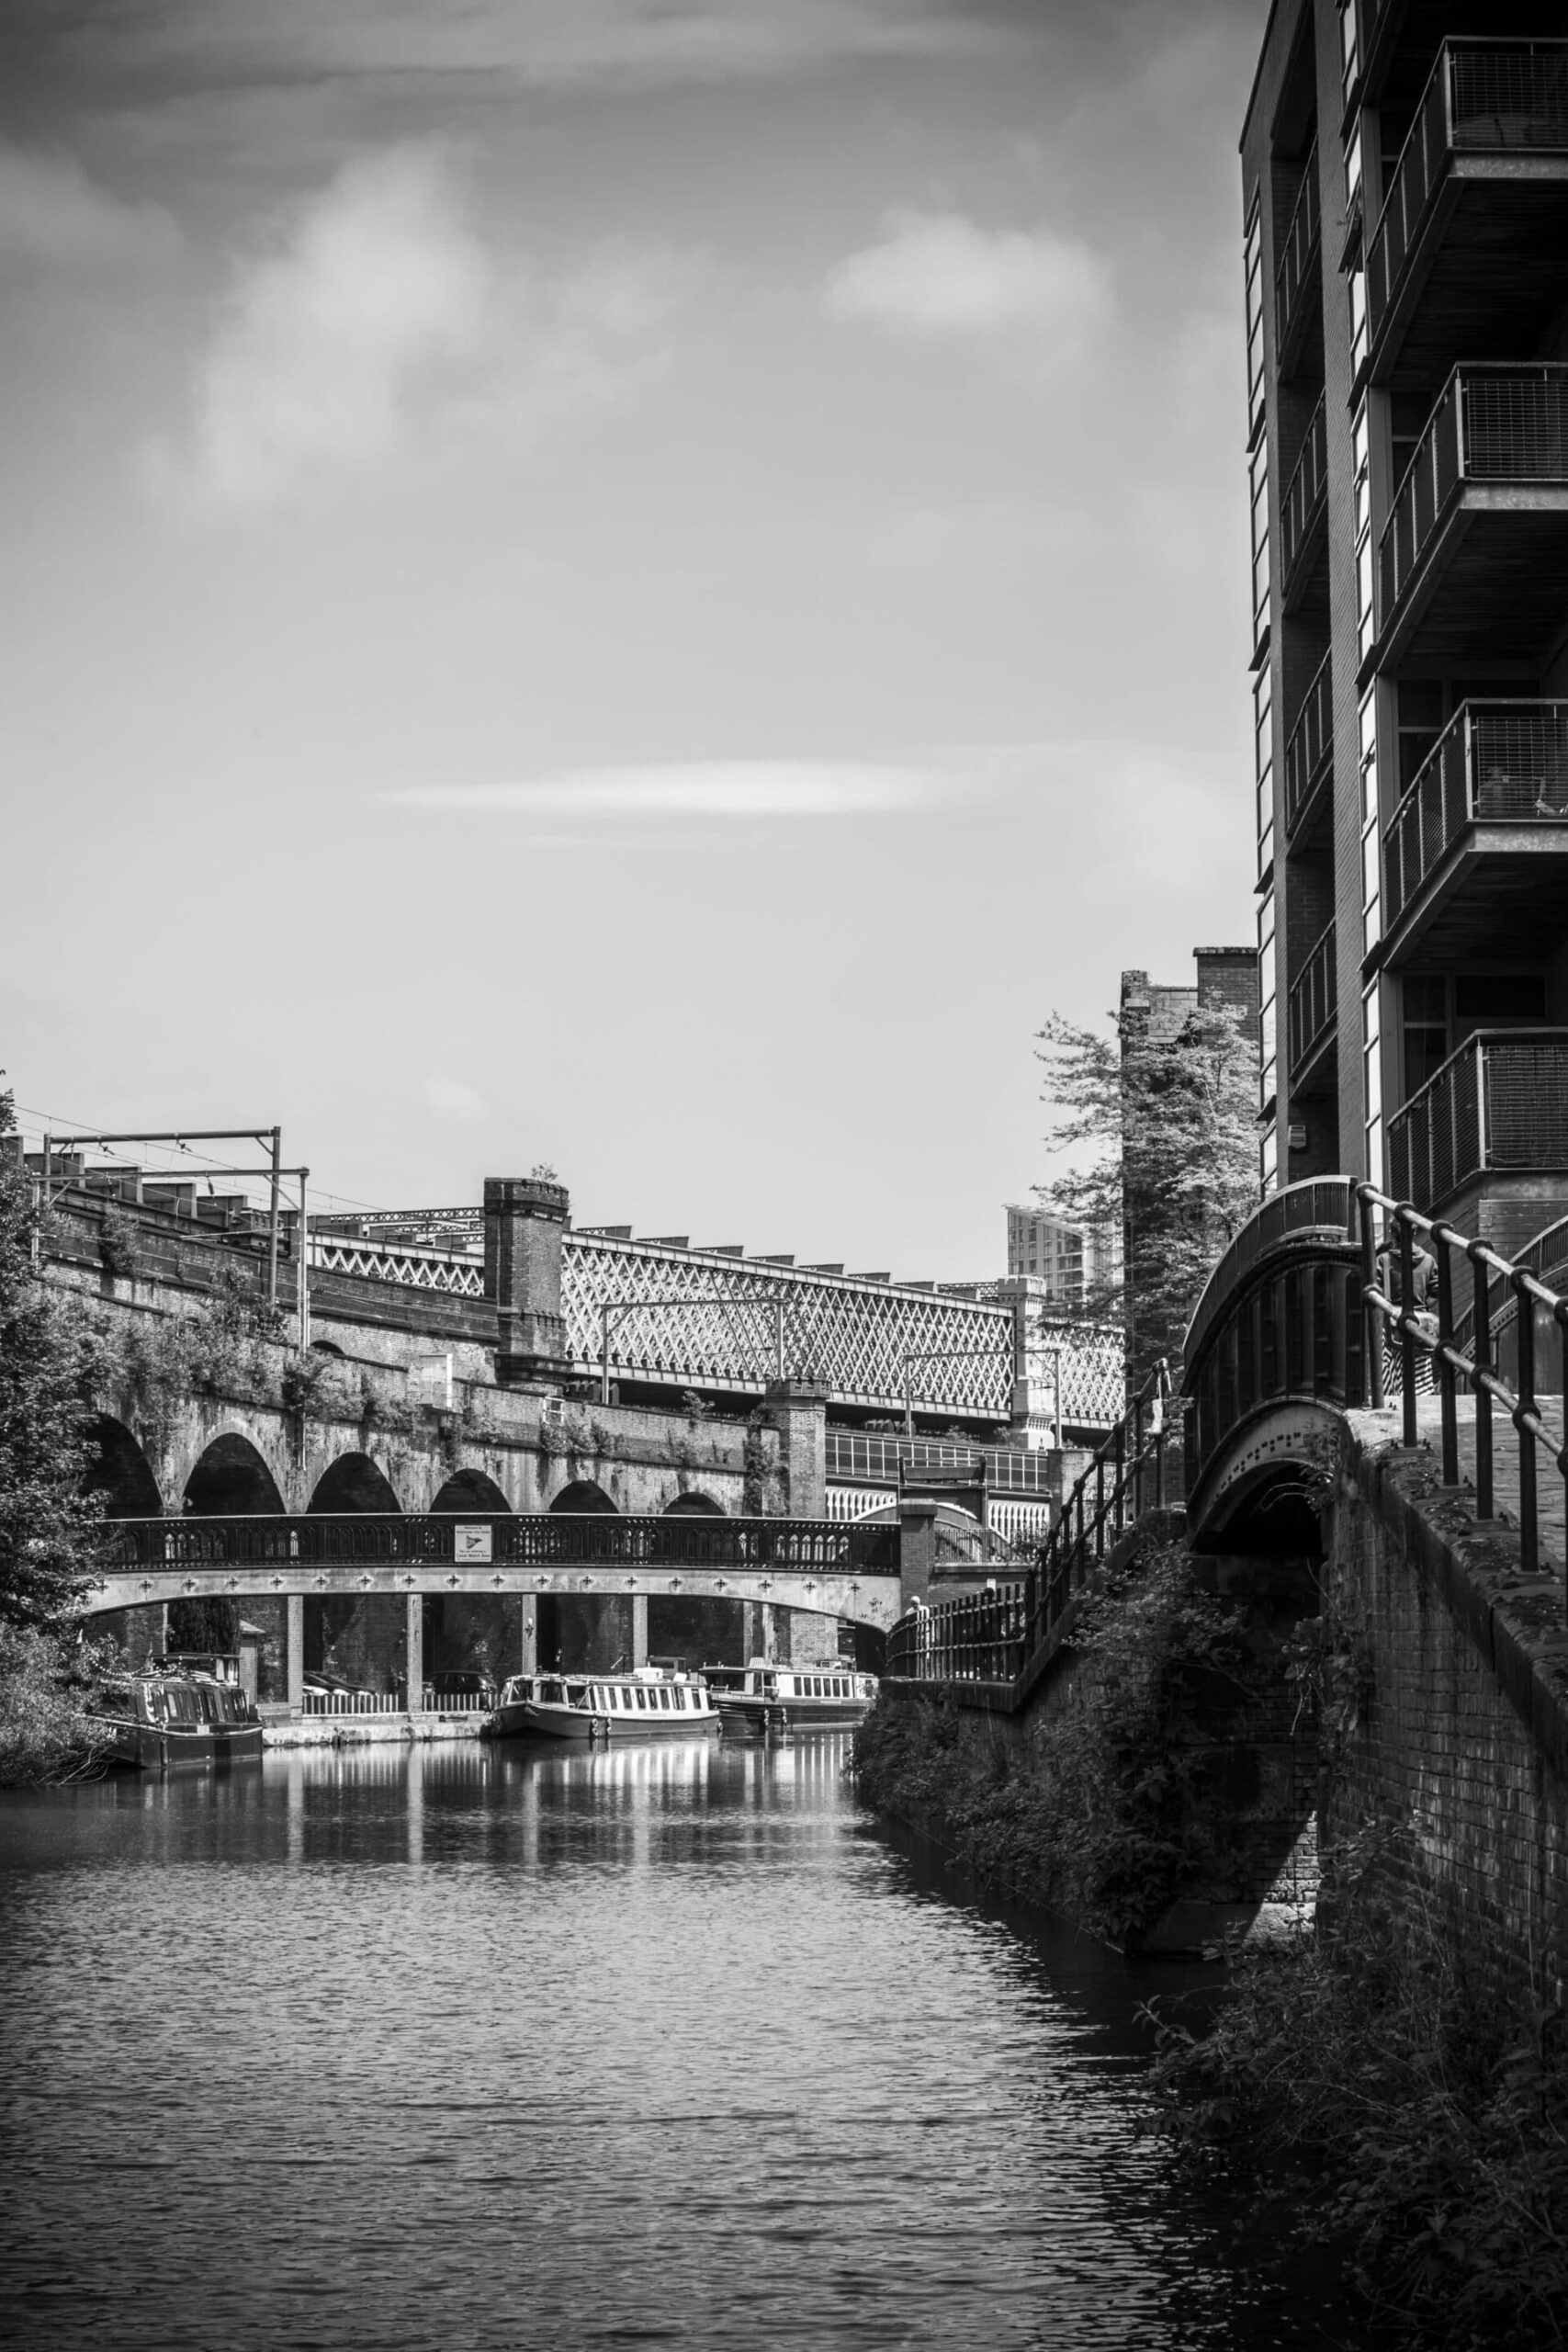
(1274, 1355)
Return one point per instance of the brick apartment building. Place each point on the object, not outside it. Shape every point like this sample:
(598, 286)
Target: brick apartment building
(1405, 189)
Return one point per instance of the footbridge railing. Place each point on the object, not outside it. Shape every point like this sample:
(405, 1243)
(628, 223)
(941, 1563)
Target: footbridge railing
(536, 1539)
(1434, 1311)
(1001, 1635)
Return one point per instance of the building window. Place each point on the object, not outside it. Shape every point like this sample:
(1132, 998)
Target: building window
(1269, 1159)
(1349, 50)
(1420, 724)
(1353, 173)
(1263, 759)
(1267, 1025)
(1259, 467)
(1254, 320)
(1425, 1027)
(1371, 874)
(1356, 293)
(1371, 1082)
(1361, 472)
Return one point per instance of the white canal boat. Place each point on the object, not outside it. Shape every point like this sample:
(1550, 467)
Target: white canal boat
(763, 1698)
(648, 1704)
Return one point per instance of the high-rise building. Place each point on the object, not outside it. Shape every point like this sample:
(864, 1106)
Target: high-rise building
(1075, 1264)
(1405, 189)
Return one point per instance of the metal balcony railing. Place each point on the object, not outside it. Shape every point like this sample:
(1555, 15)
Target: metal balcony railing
(1482, 98)
(877, 1460)
(1312, 1001)
(1502, 761)
(1304, 499)
(1491, 425)
(1293, 278)
(1500, 1102)
(1310, 751)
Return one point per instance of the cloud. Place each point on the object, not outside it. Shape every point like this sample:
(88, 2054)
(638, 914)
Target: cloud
(450, 1097)
(378, 327)
(743, 789)
(54, 219)
(941, 273)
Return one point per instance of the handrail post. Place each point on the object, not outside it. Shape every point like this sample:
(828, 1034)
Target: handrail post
(1529, 1533)
(1560, 1316)
(1139, 1456)
(1119, 1459)
(1442, 1234)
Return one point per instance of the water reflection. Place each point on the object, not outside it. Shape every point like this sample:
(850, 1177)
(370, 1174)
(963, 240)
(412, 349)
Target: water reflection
(467, 2045)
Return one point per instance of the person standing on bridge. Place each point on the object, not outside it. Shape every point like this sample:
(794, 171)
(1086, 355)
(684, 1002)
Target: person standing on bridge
(1423, 1272)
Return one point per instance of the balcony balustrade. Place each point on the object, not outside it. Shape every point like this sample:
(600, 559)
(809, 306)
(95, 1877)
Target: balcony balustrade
(1468, 246)
(1499, 1105)
(1301, 511)
(1475, 851)
(1473, 560)
(1309, 755)
(1296, 281)
(1312, 1007)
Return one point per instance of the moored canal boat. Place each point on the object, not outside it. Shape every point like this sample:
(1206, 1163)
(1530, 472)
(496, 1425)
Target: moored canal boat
(648, 1704)
(163, 1716)
(763, 1698)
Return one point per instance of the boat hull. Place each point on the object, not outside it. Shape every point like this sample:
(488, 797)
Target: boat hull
(155, 1747)
(744, 1714)
(532, 1719)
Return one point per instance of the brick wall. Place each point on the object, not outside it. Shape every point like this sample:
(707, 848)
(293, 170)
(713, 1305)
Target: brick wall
(1449, 1718)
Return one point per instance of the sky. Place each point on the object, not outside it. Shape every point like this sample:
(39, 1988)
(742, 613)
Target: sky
(639, 585)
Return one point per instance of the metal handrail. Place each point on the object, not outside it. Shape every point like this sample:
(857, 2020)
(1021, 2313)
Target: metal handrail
(1302, 239)
(1465, 1119)
(1304, 493)
(539, 1540)
(1311, 745)
(1451, 1365)
(1005, 1628)
(1493, 423)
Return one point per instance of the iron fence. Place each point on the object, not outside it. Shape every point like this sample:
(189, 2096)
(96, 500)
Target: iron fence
(877, 1459)
(994, 1636)
(1305, 496)
(1312, 1006)
(1309, 753)
(1421, 1335)
(539, 1540)
(1296, 276)
(1489, 424)
(1500, 1101)
(1504, 762)
(1481, 97)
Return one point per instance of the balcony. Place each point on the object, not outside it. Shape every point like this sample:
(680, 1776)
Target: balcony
(1477, 851)
(1466, 254)
(1302, 514)
(1499, 1106)
(1298, 282)
(1473, 562)
(1309, 760)
(1313, 1004)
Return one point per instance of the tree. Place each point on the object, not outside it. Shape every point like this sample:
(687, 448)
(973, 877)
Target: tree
(1163, 1137)
(49, 1360)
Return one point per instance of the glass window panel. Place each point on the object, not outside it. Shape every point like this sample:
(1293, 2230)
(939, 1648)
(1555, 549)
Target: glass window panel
(1269, 1159)
(1265, 940)
(1357, 293)
(1353, 169)
(1349, 50)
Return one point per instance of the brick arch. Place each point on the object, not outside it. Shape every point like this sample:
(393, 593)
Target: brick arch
(694, 1505)
(229, 1477)
(582, 1495)
(121, 1472)
(470, 1491)
(352, 1483)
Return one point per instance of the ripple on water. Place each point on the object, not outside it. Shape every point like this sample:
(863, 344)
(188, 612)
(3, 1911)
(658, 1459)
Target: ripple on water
(456, 2047)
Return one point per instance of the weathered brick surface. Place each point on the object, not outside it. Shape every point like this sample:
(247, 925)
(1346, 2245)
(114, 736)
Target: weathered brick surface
(1449, 1713)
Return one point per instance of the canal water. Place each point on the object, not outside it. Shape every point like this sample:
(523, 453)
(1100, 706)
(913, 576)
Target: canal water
(457, 2046)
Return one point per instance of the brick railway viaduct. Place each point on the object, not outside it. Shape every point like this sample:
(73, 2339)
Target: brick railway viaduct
(420, 1422)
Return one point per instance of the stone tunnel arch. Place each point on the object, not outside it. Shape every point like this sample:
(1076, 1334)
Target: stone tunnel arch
(696, 1505)
(120, 1471)
(1261, 1493)
(582, 1495)
(470, 1491)
(230, 1479)
(353, 1482)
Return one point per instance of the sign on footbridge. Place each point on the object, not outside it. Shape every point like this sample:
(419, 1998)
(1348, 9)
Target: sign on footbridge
(846, 1571)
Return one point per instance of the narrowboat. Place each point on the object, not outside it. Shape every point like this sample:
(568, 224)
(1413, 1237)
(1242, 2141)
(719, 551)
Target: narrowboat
(763, 1698)
(156, 1720)
(648, 1704)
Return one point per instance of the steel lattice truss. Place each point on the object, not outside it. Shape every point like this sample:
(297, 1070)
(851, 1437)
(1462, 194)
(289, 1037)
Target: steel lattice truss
(715, 1324)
